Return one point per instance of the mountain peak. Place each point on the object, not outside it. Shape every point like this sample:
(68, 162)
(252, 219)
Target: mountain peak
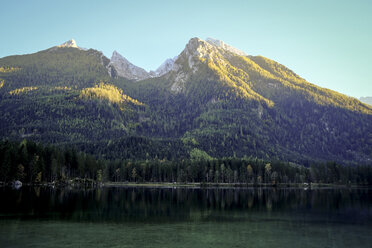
(203, 48)
(69, 43)
(196, 43)
(126, 69)
(197, 48)
(164, 68)
(116, 56)
(224, 46)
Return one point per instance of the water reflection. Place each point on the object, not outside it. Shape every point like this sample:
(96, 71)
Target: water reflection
(118, 204)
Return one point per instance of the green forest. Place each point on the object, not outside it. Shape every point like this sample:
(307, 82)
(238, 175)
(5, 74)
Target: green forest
(31, 162)
(245, 106)
(64, 113)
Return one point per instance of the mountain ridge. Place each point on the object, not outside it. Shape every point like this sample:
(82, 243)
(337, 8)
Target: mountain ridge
(210, 98)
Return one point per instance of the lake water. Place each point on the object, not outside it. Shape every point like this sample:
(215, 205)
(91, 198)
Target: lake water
(180, 217)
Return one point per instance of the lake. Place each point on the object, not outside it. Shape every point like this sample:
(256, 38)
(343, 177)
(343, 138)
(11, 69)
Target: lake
(184, 217)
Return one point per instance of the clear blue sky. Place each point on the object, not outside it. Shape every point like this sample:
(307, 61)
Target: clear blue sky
(327, 42)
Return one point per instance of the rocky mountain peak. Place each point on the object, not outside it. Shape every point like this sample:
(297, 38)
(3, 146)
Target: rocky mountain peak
(196, 53)
(198, 47)
(204, 48)
(69, 43)
(126, 69)
(117, 57)
(164, 68)
(224, 46)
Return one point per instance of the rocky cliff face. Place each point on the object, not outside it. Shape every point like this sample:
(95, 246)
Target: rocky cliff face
(126, 69)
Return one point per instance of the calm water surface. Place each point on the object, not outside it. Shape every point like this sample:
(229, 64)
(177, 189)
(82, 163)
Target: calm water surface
(155, 217)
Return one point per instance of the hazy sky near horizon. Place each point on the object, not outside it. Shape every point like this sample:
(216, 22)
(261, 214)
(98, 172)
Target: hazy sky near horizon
(327, 42)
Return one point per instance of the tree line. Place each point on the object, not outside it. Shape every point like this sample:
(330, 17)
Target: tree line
(31, 162)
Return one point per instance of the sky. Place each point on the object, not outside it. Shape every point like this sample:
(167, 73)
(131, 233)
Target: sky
(327, 42)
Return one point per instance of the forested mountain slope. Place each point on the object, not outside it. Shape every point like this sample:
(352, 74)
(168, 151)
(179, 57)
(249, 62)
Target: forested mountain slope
(62, 95)
(232, 105)
(214, 98)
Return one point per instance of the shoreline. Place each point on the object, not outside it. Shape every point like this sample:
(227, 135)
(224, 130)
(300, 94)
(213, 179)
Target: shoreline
(234, 185)
(195, 185)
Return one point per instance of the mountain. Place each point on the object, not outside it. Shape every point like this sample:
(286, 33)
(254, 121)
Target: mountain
(211, 97)
(70, 43)
(126, 69)
(226, 104)
(224, 46)
(62, 95)
(367, 100)
(164, 68)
